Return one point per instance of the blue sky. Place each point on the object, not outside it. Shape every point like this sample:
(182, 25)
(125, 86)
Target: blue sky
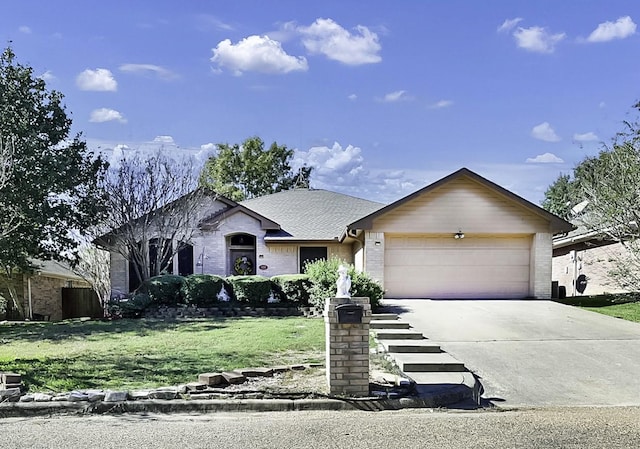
(382, 98)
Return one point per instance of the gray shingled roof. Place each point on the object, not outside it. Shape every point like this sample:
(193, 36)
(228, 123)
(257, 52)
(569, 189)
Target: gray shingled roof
(308, 214)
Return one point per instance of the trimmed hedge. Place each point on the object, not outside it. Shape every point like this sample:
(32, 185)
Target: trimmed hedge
(164, 290)
(251, 290)
(201, 290)
(131, 307)
(293, 288)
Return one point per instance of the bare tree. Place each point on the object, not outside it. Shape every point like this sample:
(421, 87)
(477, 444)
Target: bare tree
(153, 210)
(92, 264)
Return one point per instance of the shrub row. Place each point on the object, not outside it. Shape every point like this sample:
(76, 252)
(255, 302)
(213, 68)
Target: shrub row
(205, 290)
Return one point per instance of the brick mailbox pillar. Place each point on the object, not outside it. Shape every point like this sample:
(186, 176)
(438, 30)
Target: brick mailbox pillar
(347, 340)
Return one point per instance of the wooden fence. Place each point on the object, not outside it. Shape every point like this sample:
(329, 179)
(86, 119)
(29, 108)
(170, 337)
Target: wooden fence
(80, 302)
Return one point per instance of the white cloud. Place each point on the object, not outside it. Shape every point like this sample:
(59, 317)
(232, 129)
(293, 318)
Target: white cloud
(24, 29)
(537, 39)
(337, 165)
(546, 158)
(545, 132)
(164, 139)
(607, 31)
(326, 37)
(509, 24)
(159, 71)
(106, 115)
(209, 147)
(47, 76)
(256, 54)
(398, 95)
(442, 104)
(97, 80)
(352, 97)
(207, 21)
(586, 137)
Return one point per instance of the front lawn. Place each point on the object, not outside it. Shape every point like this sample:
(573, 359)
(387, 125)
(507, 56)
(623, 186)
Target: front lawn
(132, 354)
(625, 306)
(629, 311)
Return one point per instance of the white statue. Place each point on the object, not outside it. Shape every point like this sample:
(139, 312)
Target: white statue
(343, 283)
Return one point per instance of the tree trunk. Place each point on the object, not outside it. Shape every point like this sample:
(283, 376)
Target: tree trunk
(13, 294)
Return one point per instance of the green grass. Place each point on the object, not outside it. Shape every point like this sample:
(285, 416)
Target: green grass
(134, 354)
(629, 311)
(623, 305)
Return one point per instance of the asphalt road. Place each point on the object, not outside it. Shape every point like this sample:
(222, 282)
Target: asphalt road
(535, 353)
(424, 428)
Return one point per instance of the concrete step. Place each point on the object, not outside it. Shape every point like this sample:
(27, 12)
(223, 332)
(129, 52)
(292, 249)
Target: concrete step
(397, 334)
(388, 324)
(443, 378)
(384, 316)
(461, 388)
(442, 362)
(411, 346)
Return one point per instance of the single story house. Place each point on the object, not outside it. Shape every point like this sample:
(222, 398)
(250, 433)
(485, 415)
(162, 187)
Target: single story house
(41, 292)
(460, 237)
(582, 260)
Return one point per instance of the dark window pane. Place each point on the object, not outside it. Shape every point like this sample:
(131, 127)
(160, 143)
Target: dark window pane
(310, 254)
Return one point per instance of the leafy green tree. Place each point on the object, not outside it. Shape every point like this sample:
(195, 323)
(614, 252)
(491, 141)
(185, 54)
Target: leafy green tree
(610, 185)
(50, 193)
(245, 171)
(559, 196)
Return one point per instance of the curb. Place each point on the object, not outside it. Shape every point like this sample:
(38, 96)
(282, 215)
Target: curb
(435, 399)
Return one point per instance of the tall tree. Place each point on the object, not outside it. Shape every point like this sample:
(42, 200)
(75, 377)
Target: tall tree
(245, 171)
(559, 197)
(610, 185)
(52, 186)
(154, 208)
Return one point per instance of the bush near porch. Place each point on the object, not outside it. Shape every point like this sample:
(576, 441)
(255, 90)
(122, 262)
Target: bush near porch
(202, 291)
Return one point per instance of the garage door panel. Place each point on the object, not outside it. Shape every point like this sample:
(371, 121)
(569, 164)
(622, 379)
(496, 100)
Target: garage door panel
(437, 267)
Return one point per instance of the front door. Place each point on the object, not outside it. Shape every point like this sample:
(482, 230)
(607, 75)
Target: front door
(242, 255)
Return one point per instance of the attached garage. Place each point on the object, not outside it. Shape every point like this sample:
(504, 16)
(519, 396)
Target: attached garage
(460, 237)
(423, 266)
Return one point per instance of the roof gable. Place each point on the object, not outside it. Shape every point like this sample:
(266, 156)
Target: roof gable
(212, 221)
(487, 198)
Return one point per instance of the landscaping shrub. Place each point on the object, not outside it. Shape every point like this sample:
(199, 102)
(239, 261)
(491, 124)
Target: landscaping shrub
(293, 288)
(201, 290)
(164, 290)
(324, 274)
(251, 290)
(129, 307)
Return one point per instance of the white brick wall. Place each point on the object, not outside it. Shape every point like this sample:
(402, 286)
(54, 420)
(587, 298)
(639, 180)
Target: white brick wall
(594, 263)
(541, 253)
(119, 271)
(374, 255)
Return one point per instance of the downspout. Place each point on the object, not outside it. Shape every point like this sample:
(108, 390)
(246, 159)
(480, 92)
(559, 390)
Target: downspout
(29, 294)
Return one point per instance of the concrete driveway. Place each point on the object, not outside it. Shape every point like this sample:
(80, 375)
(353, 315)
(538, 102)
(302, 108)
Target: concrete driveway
(535, 353)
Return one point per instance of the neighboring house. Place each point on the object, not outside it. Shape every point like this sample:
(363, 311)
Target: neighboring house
(460, 237)
(41, 292)
(582, 260)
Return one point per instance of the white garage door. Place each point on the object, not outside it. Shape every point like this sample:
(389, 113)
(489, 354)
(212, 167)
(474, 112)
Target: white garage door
(444, 267)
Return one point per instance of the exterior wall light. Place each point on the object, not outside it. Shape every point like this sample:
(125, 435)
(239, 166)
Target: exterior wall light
(458, 235)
